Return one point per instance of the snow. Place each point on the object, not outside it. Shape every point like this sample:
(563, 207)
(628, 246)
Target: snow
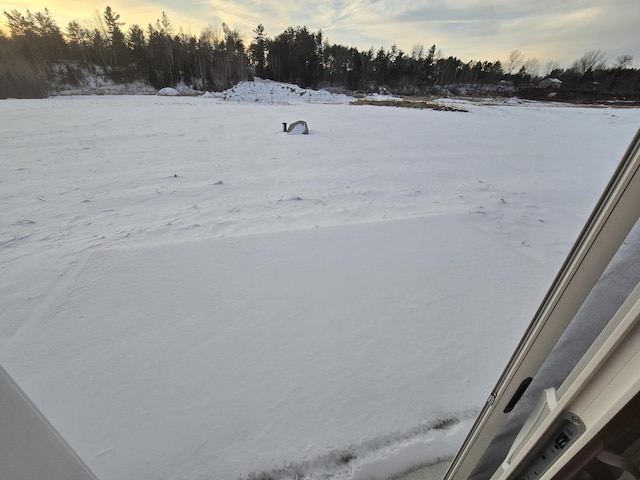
(188, 292)
(270, 92)
(380, 97)
(168, 92)
(96, 83)
(298, 127)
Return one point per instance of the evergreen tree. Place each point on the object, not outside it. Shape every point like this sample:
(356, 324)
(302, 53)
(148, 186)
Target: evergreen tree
(136, 44)
(258, 51)
(36, 52)
(38, 37)
(79, 40)
(115, 39)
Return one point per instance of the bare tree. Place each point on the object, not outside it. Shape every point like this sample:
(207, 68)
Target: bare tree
(593, 60)
(624, 61)
(417, 52)
(532, 66)
(514, 62)
(550, 66)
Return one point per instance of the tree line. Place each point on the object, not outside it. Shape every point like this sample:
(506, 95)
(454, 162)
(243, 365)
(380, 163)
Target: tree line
(37, 54)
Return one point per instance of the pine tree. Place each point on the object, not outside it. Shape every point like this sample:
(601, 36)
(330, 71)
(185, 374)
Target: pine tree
(116, 40)
(258, 51)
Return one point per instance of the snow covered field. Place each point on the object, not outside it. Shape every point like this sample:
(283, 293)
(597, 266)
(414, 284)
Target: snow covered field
(189, 293)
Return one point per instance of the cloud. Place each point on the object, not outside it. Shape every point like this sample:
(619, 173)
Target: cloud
(468, 29)
(488, 30)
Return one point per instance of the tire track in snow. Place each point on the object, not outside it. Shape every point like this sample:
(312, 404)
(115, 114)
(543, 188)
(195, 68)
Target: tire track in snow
(359, 461)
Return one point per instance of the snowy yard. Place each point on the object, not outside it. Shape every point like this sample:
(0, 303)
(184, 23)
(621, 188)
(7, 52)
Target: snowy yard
(190, 293)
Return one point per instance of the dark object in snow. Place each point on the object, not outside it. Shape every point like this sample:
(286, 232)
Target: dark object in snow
(299, 127)
(284, 127)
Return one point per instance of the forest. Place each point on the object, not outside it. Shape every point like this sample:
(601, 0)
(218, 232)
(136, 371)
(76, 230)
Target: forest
(37, 57)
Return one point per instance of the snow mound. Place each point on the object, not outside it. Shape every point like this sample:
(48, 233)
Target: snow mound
(168, 92)
(269, 92)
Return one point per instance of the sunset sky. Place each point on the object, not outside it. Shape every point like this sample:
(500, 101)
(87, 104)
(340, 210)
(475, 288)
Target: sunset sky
(549, 30)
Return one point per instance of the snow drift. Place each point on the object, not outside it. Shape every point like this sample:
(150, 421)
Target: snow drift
(188, 292)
